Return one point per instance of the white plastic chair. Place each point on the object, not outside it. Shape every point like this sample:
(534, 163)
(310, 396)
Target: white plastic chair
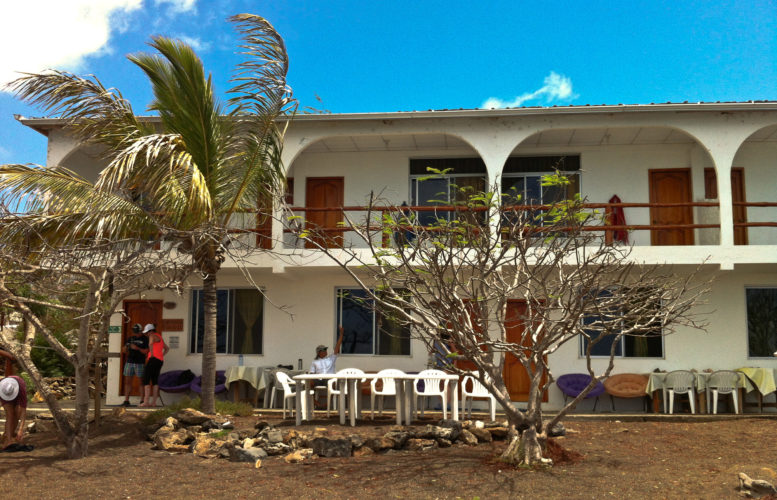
(680, 382)
(333, 392)
(723, 382)
(431, 380)
(283, 382)
(389, 388)
(478, 391)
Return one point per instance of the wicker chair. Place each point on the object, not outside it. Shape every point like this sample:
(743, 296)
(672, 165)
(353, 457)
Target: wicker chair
(627, 386)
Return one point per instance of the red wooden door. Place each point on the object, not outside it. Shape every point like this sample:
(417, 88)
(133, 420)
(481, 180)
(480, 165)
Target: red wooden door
(325, 192)
(515, 375)
(671, 186)
(138, 311)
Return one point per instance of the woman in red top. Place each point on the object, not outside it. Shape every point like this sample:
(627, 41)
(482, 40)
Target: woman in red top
(156, 356)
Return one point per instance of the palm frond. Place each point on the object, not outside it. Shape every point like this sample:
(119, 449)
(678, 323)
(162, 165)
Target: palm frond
(93, 113)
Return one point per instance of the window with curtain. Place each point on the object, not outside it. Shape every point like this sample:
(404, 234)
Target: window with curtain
(239, 324)
(761, 321)
(366, 329)
(648, 344)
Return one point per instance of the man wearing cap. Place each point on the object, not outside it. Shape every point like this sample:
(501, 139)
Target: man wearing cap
(136, 349)
(13, 395)
(324, 363)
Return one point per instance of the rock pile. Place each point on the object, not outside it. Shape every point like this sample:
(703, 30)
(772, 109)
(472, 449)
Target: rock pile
(190, 431)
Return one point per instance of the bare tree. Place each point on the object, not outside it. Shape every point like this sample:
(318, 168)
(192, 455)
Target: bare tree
(451, 279)
(87, 280)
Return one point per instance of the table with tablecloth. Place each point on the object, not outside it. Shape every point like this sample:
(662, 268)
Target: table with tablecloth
(260, 378)
(762, 380)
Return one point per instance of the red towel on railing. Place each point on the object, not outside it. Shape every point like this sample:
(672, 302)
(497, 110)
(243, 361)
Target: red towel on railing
(617, 218)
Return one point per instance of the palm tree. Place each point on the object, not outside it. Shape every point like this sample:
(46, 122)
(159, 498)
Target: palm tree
(191, 172)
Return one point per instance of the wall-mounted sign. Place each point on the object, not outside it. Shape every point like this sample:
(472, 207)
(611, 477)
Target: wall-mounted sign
(114, 329)
(173, 343)
(172, 325)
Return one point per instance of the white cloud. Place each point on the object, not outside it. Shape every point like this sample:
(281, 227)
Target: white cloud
(178, 6)
(556, 88)
(41, 34)
(195, 43)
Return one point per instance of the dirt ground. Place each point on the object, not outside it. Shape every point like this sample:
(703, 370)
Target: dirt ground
(608, 459)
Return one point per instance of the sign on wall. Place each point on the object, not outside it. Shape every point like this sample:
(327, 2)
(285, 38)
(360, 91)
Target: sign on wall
(172, 325)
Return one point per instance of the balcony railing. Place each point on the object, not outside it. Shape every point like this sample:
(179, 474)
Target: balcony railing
(335, 235)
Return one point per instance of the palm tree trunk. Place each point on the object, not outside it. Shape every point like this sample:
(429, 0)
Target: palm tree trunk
(209, 298)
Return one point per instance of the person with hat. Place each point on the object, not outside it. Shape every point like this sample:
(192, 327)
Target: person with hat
(136, 349)
(13, 395)
(324, 362)
(154, 359)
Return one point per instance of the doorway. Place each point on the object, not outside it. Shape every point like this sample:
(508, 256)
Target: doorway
(515, 375)
(143, 312)
(671, 185)
(324, 192)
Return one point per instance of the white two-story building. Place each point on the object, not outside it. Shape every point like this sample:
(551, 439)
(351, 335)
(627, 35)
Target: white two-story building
(715, 164)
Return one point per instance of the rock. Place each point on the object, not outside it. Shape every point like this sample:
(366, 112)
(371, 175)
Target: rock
(478, 424)
(363, 451)
(356, 440)
(248, 443)
(258, 464)
(118, 411)
(444, 443)
(325, 447)
(435, 432)
(295, 439)
(32, 427)
(236, 436)
(166, 439)
(380, 444)
(455, 425)
(190, 416)
(397, 428)
(420, 444)
(238, 454)
(758, 487)
(172, 423)
(557, 430)
(273, 435)
(38, 397)
(399, 438)
(261, 425)
(207, 447)
(468, 438)
(298, 456)
(498, 432)
(276, 448)
(483, 435)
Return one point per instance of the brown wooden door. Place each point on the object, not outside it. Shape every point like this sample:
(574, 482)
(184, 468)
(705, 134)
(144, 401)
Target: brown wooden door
(325, 192)
(671, 186)
(138, 311)
(515, 375)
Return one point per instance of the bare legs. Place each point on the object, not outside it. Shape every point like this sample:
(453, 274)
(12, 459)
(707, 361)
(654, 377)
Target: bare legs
(151, 393)
(11, 422)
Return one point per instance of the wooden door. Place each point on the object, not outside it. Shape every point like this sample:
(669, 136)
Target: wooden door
(737, 195)
(137, 311)
(325, 192)
(671, 185)
(515, 375)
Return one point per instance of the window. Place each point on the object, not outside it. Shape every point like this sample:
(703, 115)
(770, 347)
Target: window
(648, 344)
(367, 330)
(239, 323)
(428, 189)
(522, 180)
(761, 321)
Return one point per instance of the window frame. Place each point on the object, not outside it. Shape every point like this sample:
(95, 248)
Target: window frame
(375, 333)
(230, 321)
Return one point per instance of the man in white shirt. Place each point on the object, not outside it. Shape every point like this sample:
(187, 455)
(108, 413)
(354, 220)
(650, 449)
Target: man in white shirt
(324, 363)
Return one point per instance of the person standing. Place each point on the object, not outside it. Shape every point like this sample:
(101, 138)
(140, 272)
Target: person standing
(13, 395)
(154, 360)
(136, 349)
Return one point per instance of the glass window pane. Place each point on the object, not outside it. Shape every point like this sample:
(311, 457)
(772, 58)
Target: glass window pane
(198, 321)
(761, 321)
(356, 317)
(393, 337)
(430, 192)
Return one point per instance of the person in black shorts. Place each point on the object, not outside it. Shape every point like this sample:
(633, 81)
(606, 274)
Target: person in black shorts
(136, 349)
(156, 357)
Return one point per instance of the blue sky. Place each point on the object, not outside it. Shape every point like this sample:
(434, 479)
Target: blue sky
(362, 56)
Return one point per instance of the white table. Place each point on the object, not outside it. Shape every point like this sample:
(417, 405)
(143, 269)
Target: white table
(405, 395)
